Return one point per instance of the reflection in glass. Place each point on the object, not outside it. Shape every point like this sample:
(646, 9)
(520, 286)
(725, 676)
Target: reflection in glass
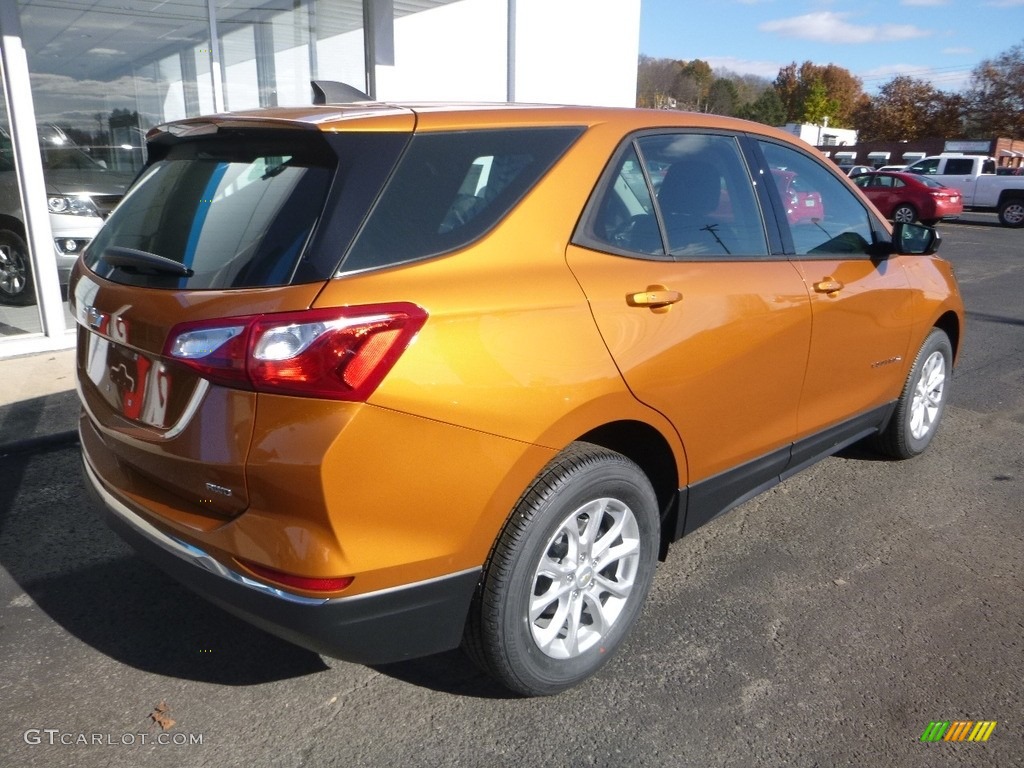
(18, 315)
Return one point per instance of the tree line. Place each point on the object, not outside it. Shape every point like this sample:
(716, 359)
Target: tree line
(905, 108)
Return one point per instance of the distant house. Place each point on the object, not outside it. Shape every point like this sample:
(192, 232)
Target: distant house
(822, 135)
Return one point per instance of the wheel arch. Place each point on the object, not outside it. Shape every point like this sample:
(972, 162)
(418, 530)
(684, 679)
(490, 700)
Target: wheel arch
(1016, 193)
(949, 323)
(647, 447)
(12, 224)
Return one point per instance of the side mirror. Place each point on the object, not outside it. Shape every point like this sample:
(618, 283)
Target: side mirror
(915, 239)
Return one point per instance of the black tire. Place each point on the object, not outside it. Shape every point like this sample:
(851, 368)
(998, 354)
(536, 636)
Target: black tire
(904, 212)
(16, 285)
(551, 652)
(922, 402)
(1011, 212)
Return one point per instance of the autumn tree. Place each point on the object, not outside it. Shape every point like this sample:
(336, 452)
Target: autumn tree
(723, 97)
(828, 87)
(818, 107)
(748, 88)
(654, 81)
(766, 108)
(787, 87)
(907, 108)
(996, 95)
(692, 84)
(843, 90)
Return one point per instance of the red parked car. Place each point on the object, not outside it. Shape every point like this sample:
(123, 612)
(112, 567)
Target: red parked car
(908, 197)
(803, 204)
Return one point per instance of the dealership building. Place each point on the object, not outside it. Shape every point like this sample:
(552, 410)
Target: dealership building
(84, 80)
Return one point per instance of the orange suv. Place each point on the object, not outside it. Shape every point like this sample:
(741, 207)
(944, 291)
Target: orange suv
(387, 379)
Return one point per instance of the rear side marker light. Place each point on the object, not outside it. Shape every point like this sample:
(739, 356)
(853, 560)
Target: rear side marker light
(338, 353)
(299, 582)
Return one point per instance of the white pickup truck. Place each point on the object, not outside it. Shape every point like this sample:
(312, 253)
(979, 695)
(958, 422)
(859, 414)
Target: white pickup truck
(976, 178)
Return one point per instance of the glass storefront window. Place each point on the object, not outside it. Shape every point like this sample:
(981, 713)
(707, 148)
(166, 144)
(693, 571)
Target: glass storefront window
(18, 315)
(338, 53)
(241, 84)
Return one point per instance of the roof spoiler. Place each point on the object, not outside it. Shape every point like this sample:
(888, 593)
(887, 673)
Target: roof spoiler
(333, 92)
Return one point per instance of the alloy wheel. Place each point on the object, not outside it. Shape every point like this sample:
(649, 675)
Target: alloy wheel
(928, 393)
(584, 578)
(13, 271)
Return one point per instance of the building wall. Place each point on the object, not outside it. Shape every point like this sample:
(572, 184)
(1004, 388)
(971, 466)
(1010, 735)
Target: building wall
(577, 51)
(457, 52)
(564, 51)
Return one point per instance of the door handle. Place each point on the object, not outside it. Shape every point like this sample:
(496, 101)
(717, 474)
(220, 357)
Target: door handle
(829, 285)
(655, 297)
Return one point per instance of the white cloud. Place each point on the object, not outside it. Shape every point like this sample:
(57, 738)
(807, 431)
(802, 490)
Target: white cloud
(924, 3)
(964, 51)
(831, 27)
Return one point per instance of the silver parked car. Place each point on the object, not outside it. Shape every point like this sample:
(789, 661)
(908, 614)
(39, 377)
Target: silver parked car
(80, 193)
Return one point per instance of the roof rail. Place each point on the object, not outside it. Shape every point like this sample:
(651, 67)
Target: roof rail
(333, 92)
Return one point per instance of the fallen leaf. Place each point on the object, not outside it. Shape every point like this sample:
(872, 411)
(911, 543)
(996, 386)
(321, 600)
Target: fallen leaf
(161, 716)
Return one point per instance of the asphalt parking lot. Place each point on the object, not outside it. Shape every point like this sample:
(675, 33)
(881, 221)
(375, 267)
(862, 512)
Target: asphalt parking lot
(826, 623)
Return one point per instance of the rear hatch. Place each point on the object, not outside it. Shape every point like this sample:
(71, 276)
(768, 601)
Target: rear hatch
(232, 219)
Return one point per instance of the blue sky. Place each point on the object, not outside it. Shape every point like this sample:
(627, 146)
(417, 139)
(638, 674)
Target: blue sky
(940, 41)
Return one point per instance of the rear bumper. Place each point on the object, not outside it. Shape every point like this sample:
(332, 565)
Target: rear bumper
(376, 628)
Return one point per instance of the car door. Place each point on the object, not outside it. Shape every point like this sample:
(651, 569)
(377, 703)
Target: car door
(880, 190)
(704, 323)
(861, 305)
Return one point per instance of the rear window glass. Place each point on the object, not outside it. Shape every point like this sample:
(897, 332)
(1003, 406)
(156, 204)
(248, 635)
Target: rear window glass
(452, 187)
(234, 214)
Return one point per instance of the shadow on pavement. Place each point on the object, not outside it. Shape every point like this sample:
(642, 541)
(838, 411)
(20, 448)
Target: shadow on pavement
(91, 584)
(450, 672)
(985, 317)
(39, 421)
(993, 224)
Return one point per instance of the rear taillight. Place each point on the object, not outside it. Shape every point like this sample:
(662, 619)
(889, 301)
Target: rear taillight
(338, 353)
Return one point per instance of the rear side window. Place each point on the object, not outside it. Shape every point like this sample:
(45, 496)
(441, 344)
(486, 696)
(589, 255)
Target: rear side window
(234, 214)
(450, 188)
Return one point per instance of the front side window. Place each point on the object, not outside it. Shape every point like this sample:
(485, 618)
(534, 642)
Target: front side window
(825, 218)
(678, 195)
(927, 167)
